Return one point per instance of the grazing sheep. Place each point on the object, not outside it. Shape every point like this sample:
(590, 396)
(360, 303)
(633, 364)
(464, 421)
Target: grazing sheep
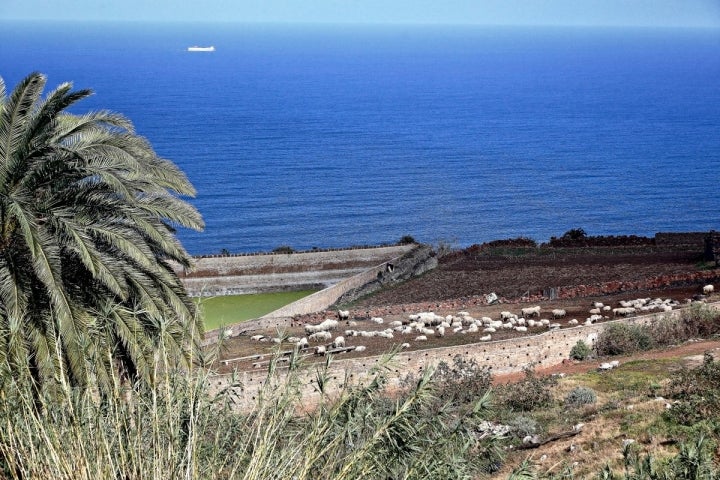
(486, 338)
(440, 332)
(598, 305)
(463, 314)
(473, 329)
(521, 329)
(320, 336)
(360, 348)
(396, 323)
(302, 344)
(607, 308)
(708, 289)
(558, 313)
(377, 320)
(405, 345)
(531, 311)
(327, 324)
(339, 342)
(421, 338)
(624, 311)
(343, 314)
(573, 322)
(489, 330)
(594, 311)
(320, 350)
(256, 338)
(457, 329)
(506, 315)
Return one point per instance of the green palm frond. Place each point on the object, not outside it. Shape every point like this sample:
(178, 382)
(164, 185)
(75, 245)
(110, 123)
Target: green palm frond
(86, 208)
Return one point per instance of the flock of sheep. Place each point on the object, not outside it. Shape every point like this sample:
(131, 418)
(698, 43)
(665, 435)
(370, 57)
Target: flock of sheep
(420, 326)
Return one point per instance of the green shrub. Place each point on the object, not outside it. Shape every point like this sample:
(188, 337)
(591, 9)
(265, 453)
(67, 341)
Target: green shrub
(284, 249)
(463, 381)
(700, 320)
(523, 426)
(580, 396)
(406, 240)
(528, 394)
(618, 339)
(580, 351)
(575, 234)
(698, 391)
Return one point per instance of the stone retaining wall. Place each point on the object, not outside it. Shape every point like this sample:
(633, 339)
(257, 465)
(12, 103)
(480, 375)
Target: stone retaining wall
(503, 356)
(233, 275)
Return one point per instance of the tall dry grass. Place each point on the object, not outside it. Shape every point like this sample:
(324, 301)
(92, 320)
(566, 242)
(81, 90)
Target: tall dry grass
(177, 429)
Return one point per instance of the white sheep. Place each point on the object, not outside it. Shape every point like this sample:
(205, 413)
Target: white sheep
(405, 345)
(320, 336)
(531, 311)
(506, 315)
(302, 344)
(521, 329)
(377, 320)
(440, 332)
(489, 330)
(594, 311)
(395, 323)
(558, 313)
(360, 348)
(343, 314)
(598, 305)
(320, 350)
(573, 322)
(256, 338)
(420, 338)
(708, 289)
(339, 342)
(327, 324)
(486, 338)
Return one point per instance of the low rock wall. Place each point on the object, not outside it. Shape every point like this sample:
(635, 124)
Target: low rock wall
(504, 356)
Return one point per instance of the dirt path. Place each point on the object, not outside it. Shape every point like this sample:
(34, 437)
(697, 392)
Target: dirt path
(569, 367)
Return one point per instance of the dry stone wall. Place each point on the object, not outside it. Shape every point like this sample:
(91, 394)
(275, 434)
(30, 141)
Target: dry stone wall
(504, 356)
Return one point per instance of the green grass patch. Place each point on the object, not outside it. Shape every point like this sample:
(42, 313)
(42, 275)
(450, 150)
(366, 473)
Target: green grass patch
(635, 376)
(230, 309)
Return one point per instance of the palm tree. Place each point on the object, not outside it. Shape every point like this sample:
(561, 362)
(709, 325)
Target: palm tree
(87, 220)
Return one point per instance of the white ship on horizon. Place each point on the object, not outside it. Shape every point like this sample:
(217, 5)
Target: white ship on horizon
(211, 48)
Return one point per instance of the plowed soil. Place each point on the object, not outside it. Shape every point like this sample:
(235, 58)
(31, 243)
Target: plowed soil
(516, 275)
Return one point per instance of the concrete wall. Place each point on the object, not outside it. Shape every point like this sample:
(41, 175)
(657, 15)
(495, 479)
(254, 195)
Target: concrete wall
(504, 356)
(234, 275)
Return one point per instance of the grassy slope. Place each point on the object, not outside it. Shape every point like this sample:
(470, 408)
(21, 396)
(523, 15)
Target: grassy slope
(226, 310)
(627, 408)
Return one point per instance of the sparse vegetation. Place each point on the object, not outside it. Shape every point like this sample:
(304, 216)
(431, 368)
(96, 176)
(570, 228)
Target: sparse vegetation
(580, 396)
(532, 392)
(284, 249)
(580, 351)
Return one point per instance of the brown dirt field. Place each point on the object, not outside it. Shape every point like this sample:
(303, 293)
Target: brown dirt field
(463, 277)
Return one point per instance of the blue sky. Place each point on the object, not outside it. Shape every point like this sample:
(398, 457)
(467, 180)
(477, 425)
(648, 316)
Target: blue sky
(690, 13)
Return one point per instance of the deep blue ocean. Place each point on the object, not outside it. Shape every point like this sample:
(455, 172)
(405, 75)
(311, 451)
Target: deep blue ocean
(322, 136)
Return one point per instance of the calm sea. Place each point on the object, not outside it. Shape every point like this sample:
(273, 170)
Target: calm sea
(331, 136)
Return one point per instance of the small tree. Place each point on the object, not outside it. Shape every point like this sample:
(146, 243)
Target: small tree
(580, 351)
